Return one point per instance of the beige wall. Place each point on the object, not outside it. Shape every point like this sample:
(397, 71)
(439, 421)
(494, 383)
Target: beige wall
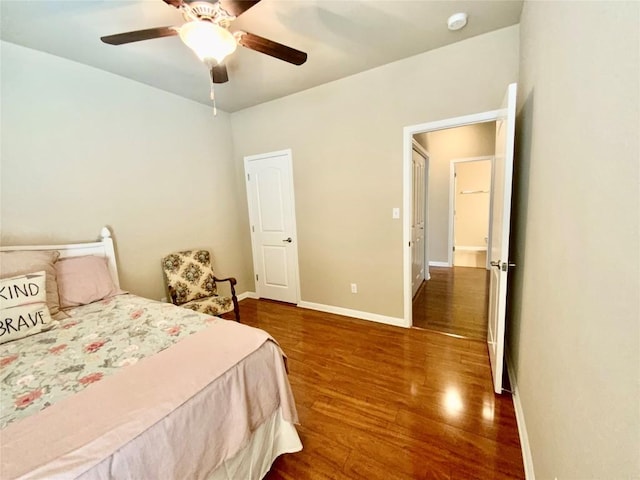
(82, 148)
(575, 318)
(421, 138)
(446, 145)
(472, 209)
(346, 138)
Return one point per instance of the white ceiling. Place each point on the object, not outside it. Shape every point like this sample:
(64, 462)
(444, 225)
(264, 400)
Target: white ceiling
(341, 38)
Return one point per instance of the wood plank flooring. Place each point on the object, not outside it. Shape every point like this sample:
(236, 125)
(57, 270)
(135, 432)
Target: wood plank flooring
(455, 300)
(382, 402)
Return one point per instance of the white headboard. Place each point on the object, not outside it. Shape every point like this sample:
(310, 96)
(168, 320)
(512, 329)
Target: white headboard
(102, 248)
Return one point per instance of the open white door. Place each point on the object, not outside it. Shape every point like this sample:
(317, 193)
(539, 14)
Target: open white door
(501, 216)
(273, 228)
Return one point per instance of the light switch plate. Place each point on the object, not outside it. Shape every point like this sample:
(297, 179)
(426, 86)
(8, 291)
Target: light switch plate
(395, 213)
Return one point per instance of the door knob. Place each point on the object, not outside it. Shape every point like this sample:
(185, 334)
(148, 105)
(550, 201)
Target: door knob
(288, 240)
(504, 266)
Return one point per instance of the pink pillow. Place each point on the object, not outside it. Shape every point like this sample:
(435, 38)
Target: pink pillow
(83, 280)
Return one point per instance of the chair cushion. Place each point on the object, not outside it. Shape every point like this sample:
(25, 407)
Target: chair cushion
(211, 305)
(189, 273)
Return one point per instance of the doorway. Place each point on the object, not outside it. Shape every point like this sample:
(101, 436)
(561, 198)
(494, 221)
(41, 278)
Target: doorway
(455, 299)
(408, 134)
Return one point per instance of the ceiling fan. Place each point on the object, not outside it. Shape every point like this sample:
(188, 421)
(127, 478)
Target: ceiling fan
(206, 32)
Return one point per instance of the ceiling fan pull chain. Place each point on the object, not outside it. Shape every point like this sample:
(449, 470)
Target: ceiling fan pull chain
(213, 99)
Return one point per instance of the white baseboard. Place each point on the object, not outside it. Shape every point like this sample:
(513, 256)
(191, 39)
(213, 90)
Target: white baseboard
(527, 459)
(243, 295)
(374, 317)
(439, 264)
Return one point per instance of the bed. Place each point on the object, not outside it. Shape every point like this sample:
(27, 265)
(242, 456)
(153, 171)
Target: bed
(126, 387)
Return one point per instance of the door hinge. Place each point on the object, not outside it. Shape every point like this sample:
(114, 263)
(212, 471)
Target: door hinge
(248, 177)
(253, 229)
(453, 248)
(256, 277)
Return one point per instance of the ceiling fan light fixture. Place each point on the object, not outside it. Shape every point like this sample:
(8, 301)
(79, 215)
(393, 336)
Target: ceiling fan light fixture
(209, 41)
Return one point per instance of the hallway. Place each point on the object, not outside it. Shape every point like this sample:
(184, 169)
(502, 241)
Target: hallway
(454, 301)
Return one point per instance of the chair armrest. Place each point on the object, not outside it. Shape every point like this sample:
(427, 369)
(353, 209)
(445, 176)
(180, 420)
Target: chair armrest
(172, 295)
(232, 281)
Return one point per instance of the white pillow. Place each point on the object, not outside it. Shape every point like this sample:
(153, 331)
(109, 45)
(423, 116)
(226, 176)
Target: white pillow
(23, 306)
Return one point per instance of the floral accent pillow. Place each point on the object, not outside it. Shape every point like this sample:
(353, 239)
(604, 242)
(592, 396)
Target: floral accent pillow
(190, 275)
(23, 306)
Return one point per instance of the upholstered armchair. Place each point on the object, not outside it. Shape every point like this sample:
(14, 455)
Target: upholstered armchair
(192, 284)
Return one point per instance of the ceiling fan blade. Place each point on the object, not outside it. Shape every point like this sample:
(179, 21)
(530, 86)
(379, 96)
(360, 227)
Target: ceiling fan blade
(219, 74)
(138, 35)
(274, 49)
(173, 3)
(235, 7)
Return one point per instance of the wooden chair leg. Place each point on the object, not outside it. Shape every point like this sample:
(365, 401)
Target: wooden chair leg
(236, 307)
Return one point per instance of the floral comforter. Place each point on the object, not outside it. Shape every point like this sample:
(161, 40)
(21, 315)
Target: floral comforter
(98, 339)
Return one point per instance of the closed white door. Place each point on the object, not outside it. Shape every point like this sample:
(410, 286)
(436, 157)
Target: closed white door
(500, 222)
(269, 180)
(418, 222)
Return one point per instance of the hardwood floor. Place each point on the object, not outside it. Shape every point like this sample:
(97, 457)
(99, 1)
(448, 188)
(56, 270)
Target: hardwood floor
(382, 402)
(455, 300)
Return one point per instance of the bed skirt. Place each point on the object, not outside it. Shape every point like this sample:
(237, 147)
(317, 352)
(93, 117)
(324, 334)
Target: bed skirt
(273, 438)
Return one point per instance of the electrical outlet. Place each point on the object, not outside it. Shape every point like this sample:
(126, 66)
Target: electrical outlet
(354, 288)
(395, 213)
(163, 299)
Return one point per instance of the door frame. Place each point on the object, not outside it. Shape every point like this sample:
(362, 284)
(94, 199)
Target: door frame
(289, 158)
(452, 203)
(425, 154)
(407, 136)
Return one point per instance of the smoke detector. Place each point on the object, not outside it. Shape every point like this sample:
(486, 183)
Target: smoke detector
(457, 21)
